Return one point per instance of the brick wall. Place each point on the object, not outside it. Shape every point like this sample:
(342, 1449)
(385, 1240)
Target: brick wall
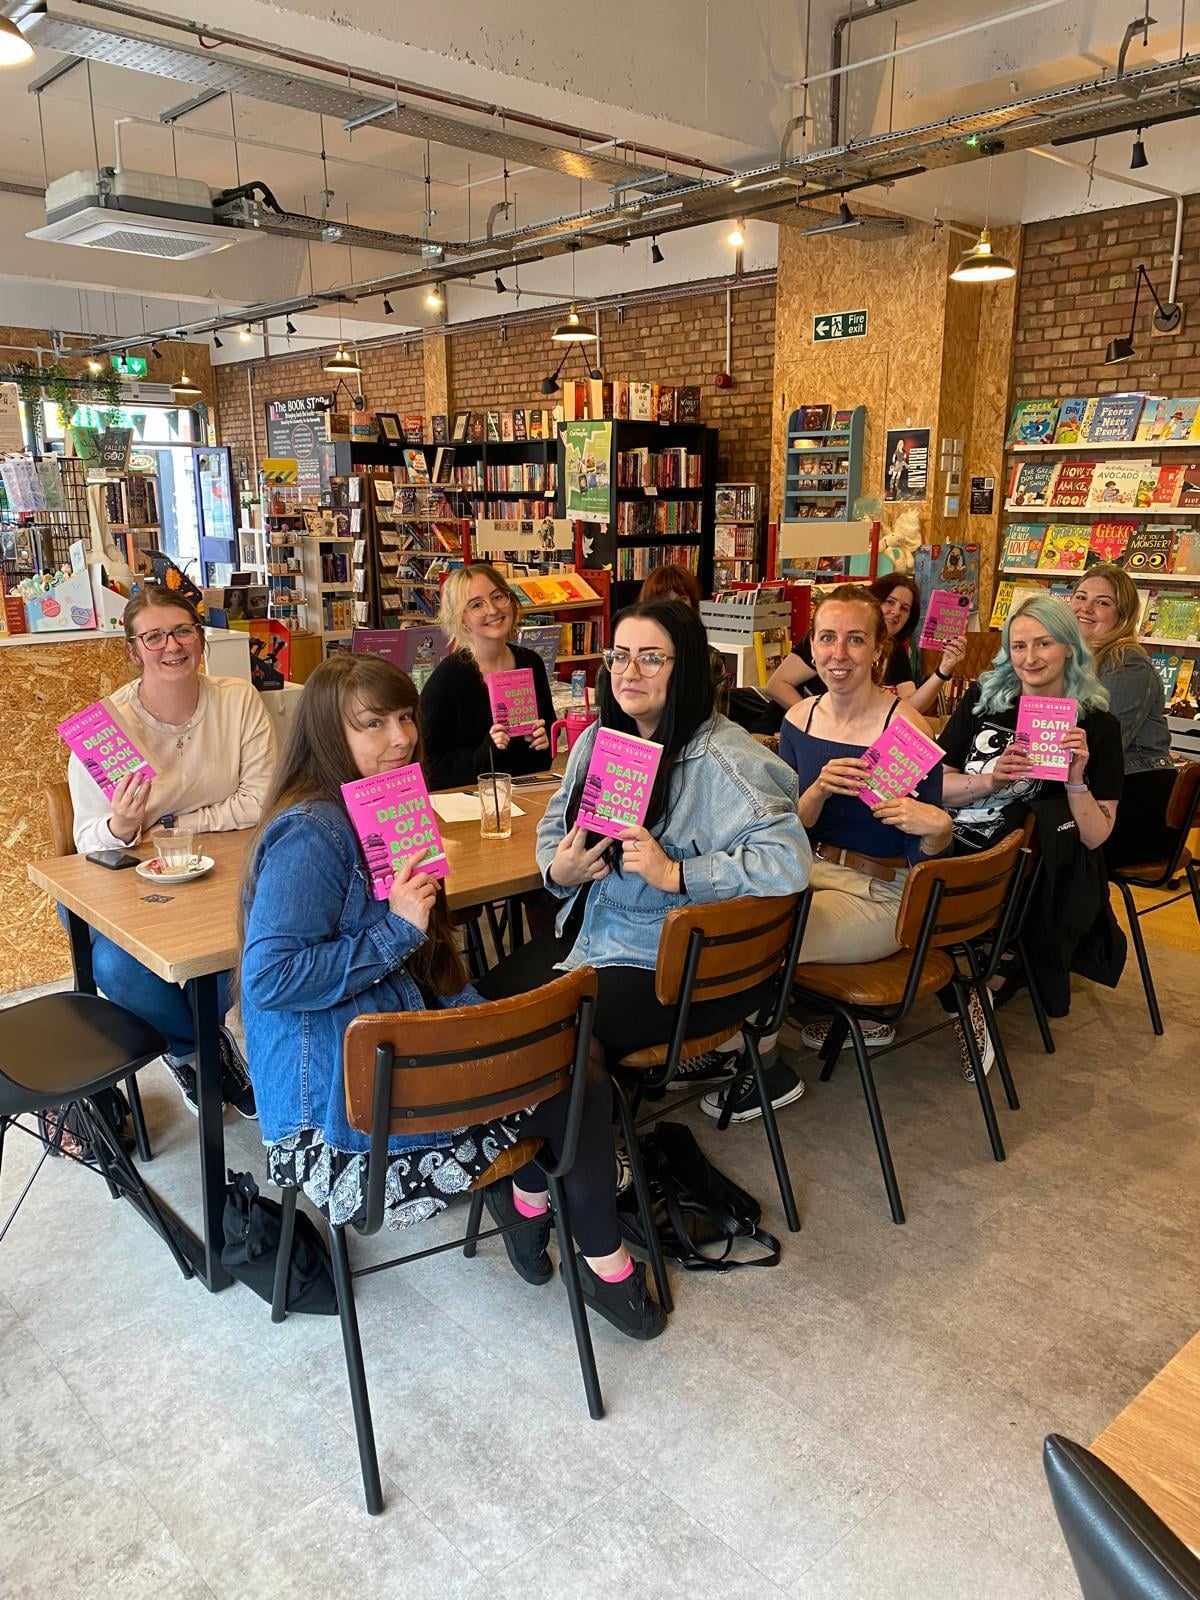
(679, 341)
(1076, 293)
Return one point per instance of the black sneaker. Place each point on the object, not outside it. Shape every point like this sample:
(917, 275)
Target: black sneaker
(783, 1085)
(526, 1246)
(628, 1305)
(714, 1066)
(236, 1089)
(185, 1079)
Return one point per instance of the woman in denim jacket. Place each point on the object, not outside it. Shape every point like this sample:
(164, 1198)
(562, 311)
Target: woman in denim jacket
(318, 951)
(721, 823)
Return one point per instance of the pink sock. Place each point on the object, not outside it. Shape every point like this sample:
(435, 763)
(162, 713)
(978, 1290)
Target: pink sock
(524, 1208)
(618, 1277)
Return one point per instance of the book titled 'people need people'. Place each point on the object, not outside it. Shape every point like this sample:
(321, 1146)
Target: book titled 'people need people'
(620, 776)
(395, 823)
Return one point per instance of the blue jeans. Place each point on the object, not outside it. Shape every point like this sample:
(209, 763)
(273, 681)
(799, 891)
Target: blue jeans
(163, 1005)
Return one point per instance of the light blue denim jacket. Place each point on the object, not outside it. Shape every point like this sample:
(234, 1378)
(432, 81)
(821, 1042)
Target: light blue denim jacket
(319, 951)
(731, 819)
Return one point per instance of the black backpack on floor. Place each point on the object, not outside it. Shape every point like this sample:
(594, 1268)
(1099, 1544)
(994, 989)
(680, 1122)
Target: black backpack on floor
(252, 1227)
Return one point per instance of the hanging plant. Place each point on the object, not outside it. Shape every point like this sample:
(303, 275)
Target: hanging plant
(110, 389)
(60, 391)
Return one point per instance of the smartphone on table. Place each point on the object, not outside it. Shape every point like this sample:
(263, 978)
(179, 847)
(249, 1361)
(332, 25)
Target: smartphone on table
(114, 860)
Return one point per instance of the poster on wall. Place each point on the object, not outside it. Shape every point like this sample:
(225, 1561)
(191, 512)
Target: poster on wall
(983, 496)
(948, 567)
(544, 537)
(296, 431)
(587, 471)
(906, 464)
(11, 437)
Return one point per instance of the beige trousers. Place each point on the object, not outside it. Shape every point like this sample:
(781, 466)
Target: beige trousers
(852, 917)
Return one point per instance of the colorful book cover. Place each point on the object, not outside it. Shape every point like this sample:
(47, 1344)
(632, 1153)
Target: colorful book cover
(507, 431)
(1183, 683)
(1174, 617)
(1115, 418)
(1149, 550)
(1022, 544)
(418, 467)
(440, 423)
(1074, 415)
(687, 403)
(1009, 595)
(493, 426)
(1041, 722)
(1108, 541)
(544, 639)
(814, 419)
(1033, 482)
(513, 699)
(948, 566)
(395, 822)
(102, 745)
(1117, 484)
(519, 431)
(666, 403)
(899, 758)
(1074, 483)
(462, 421)
(1065, 546)
(1169, 421)
(535, 423)
(477, 428)
(1033, 422)
(947, 614)
(1152, 425)
(620, 776)
(1188, 497)
(1167, 666)
(1167, 484)
(639, 403)
(1187, 551)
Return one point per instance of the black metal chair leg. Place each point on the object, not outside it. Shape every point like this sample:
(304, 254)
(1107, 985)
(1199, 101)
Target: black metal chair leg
(471, 1242)
(355, 1372)
(1035, 999)
(579, 1321)
(993, 1028)
(123, 1178)
(782, 1175)
(140, 1132)
(1143, 960)
(1193, 878)
(642, 1194)
(876, 1115)
(832, 1048)
(283, 1260)
(52, 1148)
(981, 1083)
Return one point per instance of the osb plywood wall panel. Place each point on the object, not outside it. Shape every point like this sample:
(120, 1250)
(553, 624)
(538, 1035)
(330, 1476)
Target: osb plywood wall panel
(896, 370)
(956, 404)
(39, 686)
(435, 354)
(989, 422)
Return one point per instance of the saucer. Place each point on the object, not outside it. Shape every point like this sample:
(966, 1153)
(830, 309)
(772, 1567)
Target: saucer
(151, 870)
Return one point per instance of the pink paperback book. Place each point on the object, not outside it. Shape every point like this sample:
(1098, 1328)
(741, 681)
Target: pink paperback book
(946, 618)
(103, 746)
(620, 776)
(1041, 722)
(514, 699)
(898, 758)
(395, 822)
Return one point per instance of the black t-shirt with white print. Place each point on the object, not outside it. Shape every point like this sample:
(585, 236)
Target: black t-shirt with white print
(975, 740)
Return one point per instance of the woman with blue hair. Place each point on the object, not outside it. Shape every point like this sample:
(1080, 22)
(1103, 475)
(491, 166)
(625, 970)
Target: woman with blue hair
(987, 788)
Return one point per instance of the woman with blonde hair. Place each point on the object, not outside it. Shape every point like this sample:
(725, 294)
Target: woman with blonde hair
(1106, 603)
(479, 615)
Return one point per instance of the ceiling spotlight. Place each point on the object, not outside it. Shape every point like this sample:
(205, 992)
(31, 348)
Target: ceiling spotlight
(94, 367)
(656, 254)
(289, 326)
(246, 333)
(1139, 158)
(343, 363)
(185, 391)
(500, 284)
(1167, 318)
(218, 342)
(387, 307)
(1118, 350)
(15, 48)
(155, 352)
(980, 264)
(434, 298)
(737, 235)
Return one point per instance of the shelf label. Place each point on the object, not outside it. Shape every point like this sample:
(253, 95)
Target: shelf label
(839, 325)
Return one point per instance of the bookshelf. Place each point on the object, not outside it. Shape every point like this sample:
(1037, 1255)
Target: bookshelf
(737, 553)
(1160, 513)
(823, 466)
(1133, 445)
(283, 533)
(588, 616)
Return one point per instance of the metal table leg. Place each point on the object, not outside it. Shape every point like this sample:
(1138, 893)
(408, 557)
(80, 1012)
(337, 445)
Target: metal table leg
(203, 994)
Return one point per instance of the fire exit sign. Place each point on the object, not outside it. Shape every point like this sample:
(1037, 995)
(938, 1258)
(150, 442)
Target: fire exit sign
(839, 325)
(129, 366)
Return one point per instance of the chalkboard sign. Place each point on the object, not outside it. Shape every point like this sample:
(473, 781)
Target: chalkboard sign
(114, 448)
(296, 429)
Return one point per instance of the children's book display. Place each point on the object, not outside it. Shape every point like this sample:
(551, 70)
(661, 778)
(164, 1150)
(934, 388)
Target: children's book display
(395, 822)
(620, 777)
(1105, 419)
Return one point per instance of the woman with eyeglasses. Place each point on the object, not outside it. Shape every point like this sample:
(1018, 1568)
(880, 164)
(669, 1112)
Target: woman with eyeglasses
(721, 823)
(479, 614)
(210, 743)
(1106, 605)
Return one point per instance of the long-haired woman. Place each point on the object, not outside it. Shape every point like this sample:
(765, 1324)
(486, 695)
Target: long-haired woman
(319, 950)
(721, 823)
(1106, 603)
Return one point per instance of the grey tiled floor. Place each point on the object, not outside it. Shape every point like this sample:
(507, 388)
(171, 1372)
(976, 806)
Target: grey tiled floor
(864, 1420)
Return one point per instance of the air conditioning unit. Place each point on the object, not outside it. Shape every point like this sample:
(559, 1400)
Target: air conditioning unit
(135, 392)
(136, 213)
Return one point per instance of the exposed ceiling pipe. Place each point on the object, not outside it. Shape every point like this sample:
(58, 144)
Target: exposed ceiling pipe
(835, 58)
(1132, 183)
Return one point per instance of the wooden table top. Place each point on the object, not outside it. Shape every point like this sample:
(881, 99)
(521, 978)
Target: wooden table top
(192, 931)
(1154, 1444)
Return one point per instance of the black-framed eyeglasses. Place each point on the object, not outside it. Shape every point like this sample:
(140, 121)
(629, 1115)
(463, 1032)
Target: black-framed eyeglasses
(648, 662)
(155, 639)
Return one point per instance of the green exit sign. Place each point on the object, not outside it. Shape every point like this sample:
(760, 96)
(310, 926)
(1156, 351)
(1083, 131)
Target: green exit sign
(839, 325)
(129, 366)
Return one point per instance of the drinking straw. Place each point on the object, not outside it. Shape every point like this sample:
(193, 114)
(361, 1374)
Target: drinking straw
(495, 790)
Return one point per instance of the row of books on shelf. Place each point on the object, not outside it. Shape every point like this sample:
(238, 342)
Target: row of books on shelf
(517, 510)
(1105, 419)
(817, 469)
(522, 477)
(559, 588)
(638, 561)
(1163, 614)
(517, 426)
(821, 419)
(1133, 484)
(650, 518)
(735, 541)
(737, 502)
(436, 536)
(659, 469)
(132, 500)
(629, 400)
(333, 522)
(337, 566)
(337, 615)
(1145, 548)
(1180, 679)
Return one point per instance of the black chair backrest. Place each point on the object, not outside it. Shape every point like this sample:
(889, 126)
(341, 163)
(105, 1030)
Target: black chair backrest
(1121, 1549)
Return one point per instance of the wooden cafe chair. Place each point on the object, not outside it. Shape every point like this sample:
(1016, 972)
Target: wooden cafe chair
(60, 817)
(947, 904)
(1183, 812)
(432, 1071)
(707, 952)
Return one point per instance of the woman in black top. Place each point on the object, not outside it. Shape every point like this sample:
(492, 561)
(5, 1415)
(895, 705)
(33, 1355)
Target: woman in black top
(479, 613)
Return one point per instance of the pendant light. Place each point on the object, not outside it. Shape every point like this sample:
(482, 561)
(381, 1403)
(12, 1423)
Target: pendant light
(573, 331)
(15, 48)
(981, 264)
(185, 392)
(343, 364)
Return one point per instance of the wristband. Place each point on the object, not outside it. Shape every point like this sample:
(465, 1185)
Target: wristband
(946, 678)
(1078, 788)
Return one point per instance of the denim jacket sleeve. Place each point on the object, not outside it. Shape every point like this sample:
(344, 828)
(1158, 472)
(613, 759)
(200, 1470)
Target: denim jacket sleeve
(553, 826)
(770, 854)
(297, 956)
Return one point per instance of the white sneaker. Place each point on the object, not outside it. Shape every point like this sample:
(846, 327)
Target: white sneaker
(983, 1040)
(875, 1035)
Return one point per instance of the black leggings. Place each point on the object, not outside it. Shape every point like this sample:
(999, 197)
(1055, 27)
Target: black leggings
(591, 1184)
(629, 1015)
(1140, 832)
